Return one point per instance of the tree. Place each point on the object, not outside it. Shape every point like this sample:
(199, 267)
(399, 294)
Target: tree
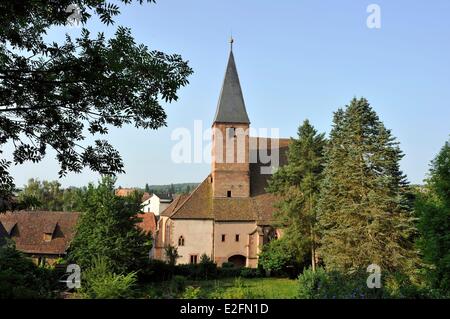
(22, 279)
(433, 212)
(298, 185)
(52, 93)
(364, 215)
(147, 188)
(277, 255)
(48, 195)
(108, 229)
(172, 255)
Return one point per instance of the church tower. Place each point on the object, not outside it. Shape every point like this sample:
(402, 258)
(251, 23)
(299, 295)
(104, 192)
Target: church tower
(230, 138)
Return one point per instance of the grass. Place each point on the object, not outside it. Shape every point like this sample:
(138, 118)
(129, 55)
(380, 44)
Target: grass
(239, 288)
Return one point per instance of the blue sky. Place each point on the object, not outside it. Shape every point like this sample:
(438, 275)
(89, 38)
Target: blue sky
(296, 60)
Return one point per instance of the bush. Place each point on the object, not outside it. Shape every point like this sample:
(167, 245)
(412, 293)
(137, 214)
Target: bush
(178, 284)
(227, 265)
(155, 271)
(279, 258)
(21, 279)
(191, 293)
(250, 272)
(100, 283)
(334, 285)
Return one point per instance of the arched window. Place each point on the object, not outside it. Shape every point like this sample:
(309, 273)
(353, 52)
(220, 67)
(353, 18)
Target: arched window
(181, 241)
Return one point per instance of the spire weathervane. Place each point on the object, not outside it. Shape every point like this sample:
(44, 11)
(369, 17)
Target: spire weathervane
(231, 42)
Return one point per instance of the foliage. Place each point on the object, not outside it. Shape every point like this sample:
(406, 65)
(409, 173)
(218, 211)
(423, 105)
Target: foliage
(99, 282)
(277, 255)
(207, 268)
(155, 271)
(20, 278)
(48, 196)
(191, 293)
(298, 185)
(52, 93)
(107, 228)
(172, 255)
(364, 213)
(227, 265)
(433, 212)
(178, 284)
(322, 284)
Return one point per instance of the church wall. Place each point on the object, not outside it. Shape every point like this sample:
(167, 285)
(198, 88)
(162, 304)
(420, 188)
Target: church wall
(198, 238)
(230, 247)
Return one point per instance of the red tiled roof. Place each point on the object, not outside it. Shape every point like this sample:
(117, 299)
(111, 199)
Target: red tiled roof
(148, 223)
(29, 228)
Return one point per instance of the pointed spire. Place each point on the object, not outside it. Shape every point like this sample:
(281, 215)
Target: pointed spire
(231, 106)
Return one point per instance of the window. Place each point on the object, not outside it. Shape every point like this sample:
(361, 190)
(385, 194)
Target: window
(231, 132)
(181, 241)
(194, 259)
(228, 193)
(237, 237)
(223, 238)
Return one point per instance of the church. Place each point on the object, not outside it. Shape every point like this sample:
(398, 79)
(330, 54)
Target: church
(229, 216)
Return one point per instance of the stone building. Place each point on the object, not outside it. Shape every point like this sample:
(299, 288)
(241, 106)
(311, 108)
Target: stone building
(229, 215)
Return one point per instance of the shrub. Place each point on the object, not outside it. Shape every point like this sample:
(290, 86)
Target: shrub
(207, 268)
(178, 284)
(155, 271)
(20, 278)
(277, 256)
(250, 272)
(227, 265)
(191, 293)
(335, 285)
(100, 282)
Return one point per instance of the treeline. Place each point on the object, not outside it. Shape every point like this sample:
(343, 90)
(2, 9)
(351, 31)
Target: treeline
(180, 188)
(345, 204)
(50, 196)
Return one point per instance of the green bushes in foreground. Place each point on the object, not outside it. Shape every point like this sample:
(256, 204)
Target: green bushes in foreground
(323, 284)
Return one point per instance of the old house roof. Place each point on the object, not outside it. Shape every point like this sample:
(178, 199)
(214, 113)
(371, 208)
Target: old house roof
(200, 204)
(29, 228)
(231, 106)
(148, 223)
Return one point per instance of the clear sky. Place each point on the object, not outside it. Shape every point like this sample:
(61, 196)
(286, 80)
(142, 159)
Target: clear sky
(296, 60)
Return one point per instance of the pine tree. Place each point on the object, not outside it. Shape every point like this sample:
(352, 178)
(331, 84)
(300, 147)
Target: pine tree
(107, 228)
(363, 209)
(298, 185)
(433, 212)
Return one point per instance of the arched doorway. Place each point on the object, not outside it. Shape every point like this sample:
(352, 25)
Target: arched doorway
(238, 260)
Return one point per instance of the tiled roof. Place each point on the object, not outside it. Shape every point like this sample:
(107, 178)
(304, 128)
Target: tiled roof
(29, 228)
(148, 223)
(174, 205)
(200, 204)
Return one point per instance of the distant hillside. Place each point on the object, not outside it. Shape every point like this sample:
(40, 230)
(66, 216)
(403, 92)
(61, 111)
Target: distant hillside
(180, 188)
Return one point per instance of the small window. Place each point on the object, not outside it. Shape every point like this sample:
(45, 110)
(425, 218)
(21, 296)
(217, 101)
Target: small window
(237, 237)
(231, 132)
(223, 238)
(194, 259)
(181, 241)
(228, 193)
(48, 237)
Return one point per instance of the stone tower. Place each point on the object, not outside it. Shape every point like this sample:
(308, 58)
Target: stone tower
(230, 139)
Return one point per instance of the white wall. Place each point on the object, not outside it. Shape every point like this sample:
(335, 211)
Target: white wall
(198, 238)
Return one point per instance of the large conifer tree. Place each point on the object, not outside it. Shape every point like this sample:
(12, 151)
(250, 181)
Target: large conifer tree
(363, 211)
(298, 183)
(433, 211)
